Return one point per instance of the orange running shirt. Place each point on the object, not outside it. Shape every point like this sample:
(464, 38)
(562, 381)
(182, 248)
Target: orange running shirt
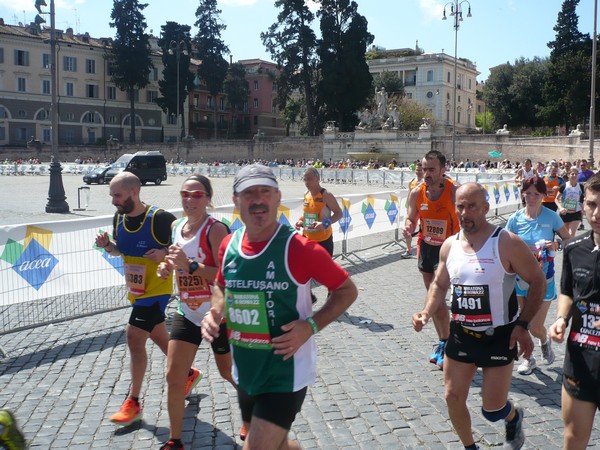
(315, 210)
(437, 218)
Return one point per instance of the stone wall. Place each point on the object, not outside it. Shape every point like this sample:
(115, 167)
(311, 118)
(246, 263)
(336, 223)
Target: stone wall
(406, 146)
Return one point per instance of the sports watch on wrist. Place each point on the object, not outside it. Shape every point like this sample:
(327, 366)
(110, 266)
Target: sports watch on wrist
(522, 323)
(193, 267)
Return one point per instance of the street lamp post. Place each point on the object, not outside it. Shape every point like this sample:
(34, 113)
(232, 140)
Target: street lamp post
(456, 11)
(56, 192)
(178, 48)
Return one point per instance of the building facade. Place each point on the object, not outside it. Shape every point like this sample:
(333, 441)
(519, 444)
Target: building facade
(91, 108)
(429, 80)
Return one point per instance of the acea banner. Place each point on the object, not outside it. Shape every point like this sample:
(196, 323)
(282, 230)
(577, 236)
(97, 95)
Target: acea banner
(51, 259)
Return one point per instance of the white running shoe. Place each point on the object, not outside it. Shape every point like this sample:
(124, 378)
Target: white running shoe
(527, 366)
(547, 353)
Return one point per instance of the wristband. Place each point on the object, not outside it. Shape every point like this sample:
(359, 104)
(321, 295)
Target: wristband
(326, 223)
(313, 325)
(106, 245)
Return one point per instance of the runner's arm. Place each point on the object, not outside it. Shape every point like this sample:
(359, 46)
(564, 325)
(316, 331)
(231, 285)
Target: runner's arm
(558, 329)
(334, 207)
(437, 290)
(410, 223)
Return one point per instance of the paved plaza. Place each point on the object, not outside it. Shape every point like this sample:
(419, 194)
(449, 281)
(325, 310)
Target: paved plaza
(375, 387)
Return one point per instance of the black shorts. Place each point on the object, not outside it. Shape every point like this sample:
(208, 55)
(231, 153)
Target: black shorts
(581, 374)
(279, 408)
(146, 317)
(428, 257)
(479, 348)
(327, 244)
(185, 330)
(571, 217)
(550, 205)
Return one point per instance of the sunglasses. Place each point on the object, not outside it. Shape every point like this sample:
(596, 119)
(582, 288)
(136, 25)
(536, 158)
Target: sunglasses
(193, 194)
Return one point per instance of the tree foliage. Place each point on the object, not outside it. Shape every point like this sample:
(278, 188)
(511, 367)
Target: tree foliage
(129, 55)
(210, 49)
(237, 89)
(293, 44)
(567, 96)
(390, 81)
(176, 46)
(345, 84)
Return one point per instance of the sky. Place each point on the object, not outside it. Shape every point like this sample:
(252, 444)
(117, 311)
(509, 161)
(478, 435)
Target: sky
(498, 32)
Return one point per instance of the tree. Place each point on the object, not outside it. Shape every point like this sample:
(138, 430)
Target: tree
(412, 114)
(567, 96)
(176, 46)
(129, 55)
(526, 91)
(292, 44)
(390, 81)
(210, 49)
(237, 89)
(345, 85)
(497, 92)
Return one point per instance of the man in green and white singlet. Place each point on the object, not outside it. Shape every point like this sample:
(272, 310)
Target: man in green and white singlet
(263, 289)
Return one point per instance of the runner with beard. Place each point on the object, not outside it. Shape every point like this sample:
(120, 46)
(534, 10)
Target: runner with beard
(431, 204)
(141, 236)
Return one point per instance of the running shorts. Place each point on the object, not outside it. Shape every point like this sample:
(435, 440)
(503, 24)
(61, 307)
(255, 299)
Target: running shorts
(183, 329)
(279, 408)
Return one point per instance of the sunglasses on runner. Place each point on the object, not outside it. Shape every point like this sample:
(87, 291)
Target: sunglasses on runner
(193, 194)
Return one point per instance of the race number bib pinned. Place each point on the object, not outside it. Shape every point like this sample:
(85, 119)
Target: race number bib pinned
(135, 278)
(193, 289)
(309, 220)
(471, 306)
(434, 231)
(247, 325)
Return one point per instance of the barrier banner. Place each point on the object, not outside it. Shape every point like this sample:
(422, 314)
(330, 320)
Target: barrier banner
(51, 259)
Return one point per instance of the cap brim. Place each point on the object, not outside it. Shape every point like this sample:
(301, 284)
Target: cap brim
(256, 182)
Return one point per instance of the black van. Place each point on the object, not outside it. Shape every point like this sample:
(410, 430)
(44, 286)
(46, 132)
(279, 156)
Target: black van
(148, 166)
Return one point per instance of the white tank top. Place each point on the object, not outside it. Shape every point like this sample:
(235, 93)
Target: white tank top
(527, 175)
(483, 293)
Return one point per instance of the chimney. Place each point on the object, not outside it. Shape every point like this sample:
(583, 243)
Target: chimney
(70, 32)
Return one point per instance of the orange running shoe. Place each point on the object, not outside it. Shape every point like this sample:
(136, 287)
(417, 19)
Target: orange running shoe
(129, 412)
(243, 432)
(192, 380)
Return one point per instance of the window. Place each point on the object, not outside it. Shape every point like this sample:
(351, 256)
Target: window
(256, 103)
(222, 104)
(245, 107)
(196, 117)
(256, 85)
(1, 55)
(448, 77)
(459, 99)
(22, 114)
(457, 116)
(91, 117)
(151, 96)
(46, 61)
(70, 116)
(42, 115)
(429, 94)
(90, 66)
(69, 88)
(112, 119)
(69, 64)
(430, 75)
(470, 83)
(46, 135)
(2, 134)
(111, 92)
(69, 136)
(448, 115)
(196, 100)
(221, 119)
(274, 107)
(23, 134)
(91, 90)
(21, 58)
(153, 74)
(255, 120)
(209, 102)
(172, 119)
(21, 84)
(109, 68)
(3, 114)
(274, 88)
